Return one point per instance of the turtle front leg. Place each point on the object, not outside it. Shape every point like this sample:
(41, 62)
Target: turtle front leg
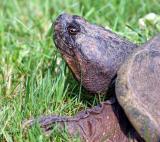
(105, 122)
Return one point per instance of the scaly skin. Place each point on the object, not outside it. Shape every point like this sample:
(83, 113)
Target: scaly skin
(94, 55)
(138, 89)
(102, 123)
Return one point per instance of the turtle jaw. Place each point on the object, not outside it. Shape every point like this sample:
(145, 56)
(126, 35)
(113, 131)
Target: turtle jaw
(83, 68)
(60, 38)
(91, 53)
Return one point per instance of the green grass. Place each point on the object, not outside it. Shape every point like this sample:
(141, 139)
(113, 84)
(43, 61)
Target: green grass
(32, 83)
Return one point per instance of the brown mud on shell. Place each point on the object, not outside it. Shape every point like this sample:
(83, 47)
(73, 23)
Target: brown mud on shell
(138, 89)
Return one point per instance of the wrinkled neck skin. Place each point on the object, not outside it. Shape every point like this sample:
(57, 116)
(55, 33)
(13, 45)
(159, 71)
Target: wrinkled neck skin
(93, 53)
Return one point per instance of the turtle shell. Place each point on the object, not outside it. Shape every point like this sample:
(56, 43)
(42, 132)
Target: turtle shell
(138, 89)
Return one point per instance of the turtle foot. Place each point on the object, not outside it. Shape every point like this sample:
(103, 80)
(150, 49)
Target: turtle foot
(101, 123)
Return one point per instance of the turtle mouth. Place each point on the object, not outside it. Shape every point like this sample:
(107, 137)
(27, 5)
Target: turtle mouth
(61, 36)
(67, 50)
(60, 41)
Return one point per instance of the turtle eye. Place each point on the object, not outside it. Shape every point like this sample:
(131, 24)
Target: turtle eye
(73, 30)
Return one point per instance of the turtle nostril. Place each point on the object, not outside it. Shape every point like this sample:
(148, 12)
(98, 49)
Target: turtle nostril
(62, 16)
(59, 17)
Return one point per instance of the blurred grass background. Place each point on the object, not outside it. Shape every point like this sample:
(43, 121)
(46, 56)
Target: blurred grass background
(33, 79)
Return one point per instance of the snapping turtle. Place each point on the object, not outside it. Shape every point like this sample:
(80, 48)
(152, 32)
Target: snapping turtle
(138, 89)
(95, 55)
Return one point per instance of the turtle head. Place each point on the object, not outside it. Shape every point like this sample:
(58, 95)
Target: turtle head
(86, 49)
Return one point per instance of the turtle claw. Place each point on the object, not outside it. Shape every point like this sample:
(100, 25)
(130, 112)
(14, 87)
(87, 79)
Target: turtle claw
(111, 101)
(45, 122)
(102, 122)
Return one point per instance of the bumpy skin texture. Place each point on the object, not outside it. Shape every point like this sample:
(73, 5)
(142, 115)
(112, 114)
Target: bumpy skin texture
(101, 123)
(138, 89)
(94, 55)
